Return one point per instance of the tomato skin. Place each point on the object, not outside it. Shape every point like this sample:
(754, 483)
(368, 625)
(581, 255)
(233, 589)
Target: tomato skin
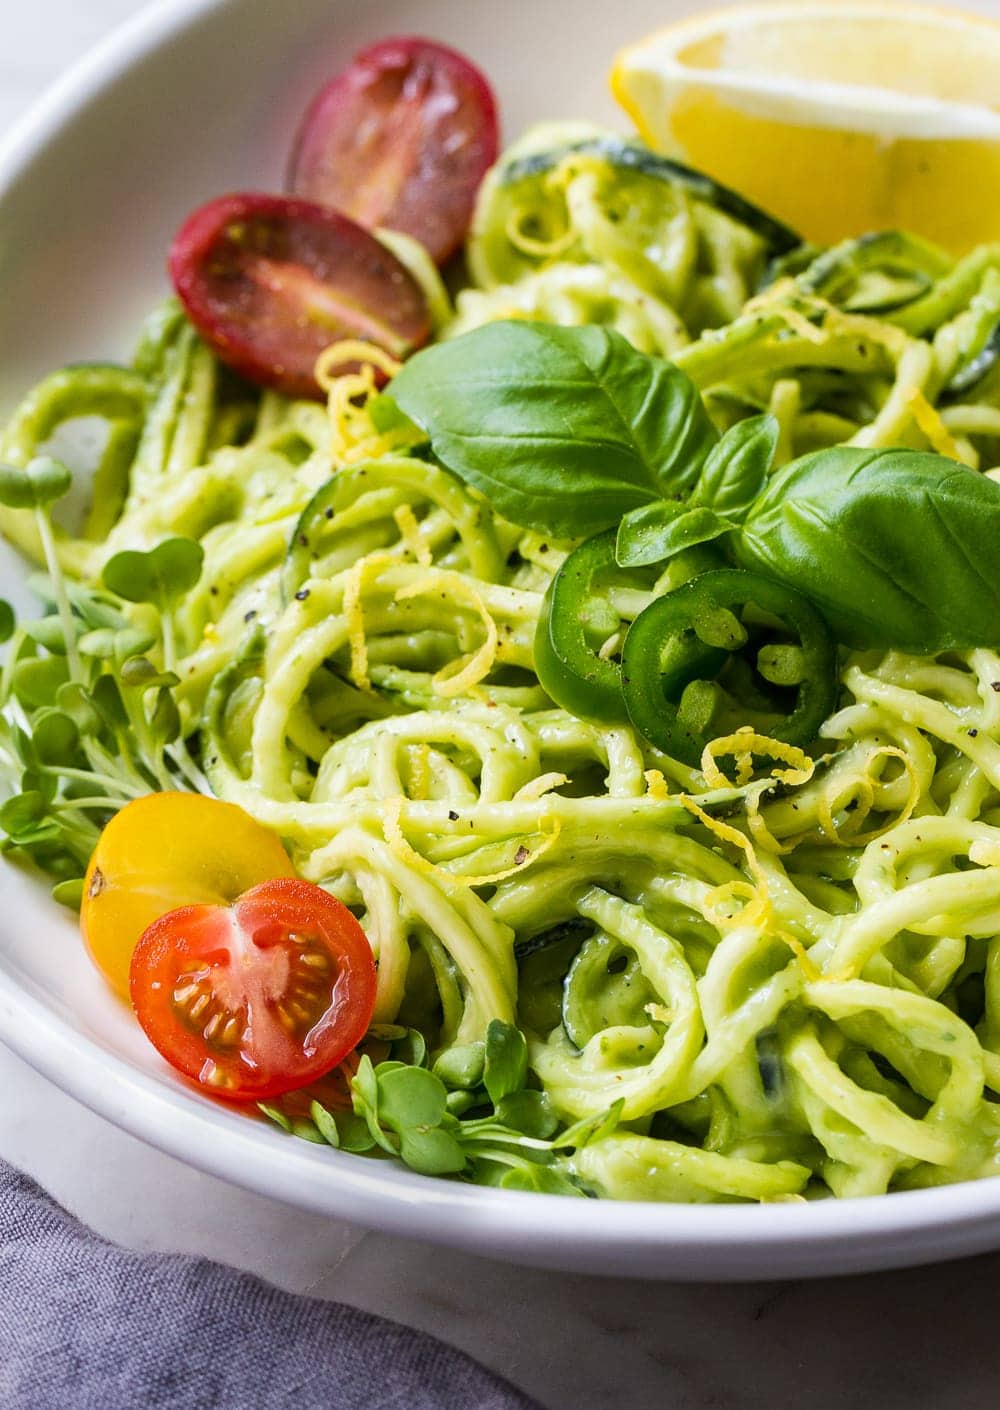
(162, 851)
(402, 138)
(272, 281)
(259, 998)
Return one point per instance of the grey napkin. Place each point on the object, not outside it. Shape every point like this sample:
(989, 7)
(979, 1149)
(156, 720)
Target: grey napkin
(86, 1325)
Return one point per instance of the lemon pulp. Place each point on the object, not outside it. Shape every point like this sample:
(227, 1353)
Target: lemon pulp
(838, 119)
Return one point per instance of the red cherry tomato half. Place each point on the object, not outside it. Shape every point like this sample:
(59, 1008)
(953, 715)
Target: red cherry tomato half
(270, 281)
(258, 998)
(402, 139)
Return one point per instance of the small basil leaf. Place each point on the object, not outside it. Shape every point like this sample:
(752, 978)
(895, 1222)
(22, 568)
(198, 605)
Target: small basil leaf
(160, 576)
(431, 1151)
(410, 1096)
(896, 547)
(41, 482)
(658, 531)
(506, 1066)
(736, 469)
(564, 430)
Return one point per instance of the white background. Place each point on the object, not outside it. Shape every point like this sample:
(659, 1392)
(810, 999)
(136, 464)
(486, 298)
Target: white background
(923, 1340)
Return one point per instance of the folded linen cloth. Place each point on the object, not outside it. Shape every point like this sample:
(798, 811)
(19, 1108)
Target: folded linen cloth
(86, 1325)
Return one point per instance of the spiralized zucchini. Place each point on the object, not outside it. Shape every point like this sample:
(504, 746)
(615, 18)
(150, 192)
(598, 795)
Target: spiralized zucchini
(787, 969)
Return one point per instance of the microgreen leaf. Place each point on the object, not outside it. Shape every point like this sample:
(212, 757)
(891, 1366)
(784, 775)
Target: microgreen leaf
(354, 1133)
(115, 643)
(506, 1065)
(55, 737)
(41, 482)
(69, 893)
(47, 632)
(590, 1128)
(8, 621)
(431, 1151)
(461, 1066)
(37, 679)
(410, 1047)
(139, 673)
(107, 699)
(165, 721)
(540, 1179)
(73, 700)
(409, 1097)
(275, 1114)
(160, 576)
(325, 1123)
(528, 1112)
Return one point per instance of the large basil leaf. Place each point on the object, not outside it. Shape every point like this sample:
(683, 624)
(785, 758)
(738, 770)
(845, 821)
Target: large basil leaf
(897, 547)
(563, 429)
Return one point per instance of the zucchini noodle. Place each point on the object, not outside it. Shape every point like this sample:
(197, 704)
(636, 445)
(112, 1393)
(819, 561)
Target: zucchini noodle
(786, 968)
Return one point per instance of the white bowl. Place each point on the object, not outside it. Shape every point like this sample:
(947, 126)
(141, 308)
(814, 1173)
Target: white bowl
(194, 98)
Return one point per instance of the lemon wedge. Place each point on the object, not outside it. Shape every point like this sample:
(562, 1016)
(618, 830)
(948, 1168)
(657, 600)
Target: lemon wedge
(839, 116)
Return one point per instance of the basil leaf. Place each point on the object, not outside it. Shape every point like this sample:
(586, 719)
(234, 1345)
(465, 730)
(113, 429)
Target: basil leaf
(736, 469)
(896, 547)
(564, 430)
(658, 531)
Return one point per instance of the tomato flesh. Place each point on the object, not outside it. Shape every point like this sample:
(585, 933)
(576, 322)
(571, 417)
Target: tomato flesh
(258, 998)
(272, 281)
(402, 138)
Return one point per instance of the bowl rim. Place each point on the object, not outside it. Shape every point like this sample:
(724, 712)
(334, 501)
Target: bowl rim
(166, 1114)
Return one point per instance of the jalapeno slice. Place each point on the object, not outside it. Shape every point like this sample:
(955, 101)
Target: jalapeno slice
(677, 704)
(576, 621)
(580, 630)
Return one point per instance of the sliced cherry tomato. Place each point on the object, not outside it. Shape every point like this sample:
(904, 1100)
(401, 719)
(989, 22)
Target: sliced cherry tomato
(402, 139)
(270, 281)
(258, 998)
(163, 851)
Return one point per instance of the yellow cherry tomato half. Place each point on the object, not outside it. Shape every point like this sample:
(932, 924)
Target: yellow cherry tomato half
(164, 851)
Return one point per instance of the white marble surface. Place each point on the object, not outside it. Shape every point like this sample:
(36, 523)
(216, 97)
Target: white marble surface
(923, 1340)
